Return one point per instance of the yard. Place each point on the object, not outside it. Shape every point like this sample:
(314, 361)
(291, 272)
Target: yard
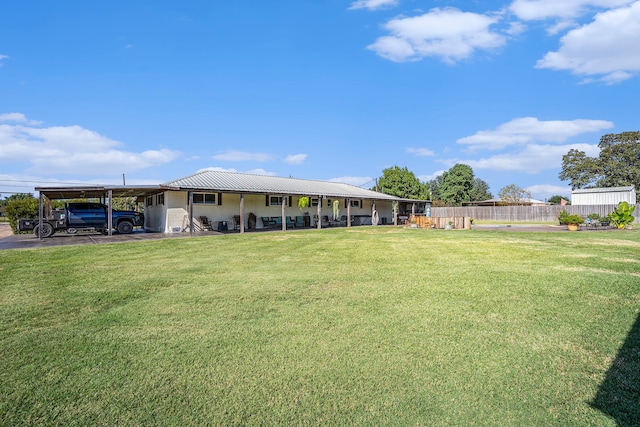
(361, 326)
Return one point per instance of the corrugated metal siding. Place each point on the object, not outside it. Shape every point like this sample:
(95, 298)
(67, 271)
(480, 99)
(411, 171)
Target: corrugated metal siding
(220, 181)
(603, 196)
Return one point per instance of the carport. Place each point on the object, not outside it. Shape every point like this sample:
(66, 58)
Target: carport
(103, 193)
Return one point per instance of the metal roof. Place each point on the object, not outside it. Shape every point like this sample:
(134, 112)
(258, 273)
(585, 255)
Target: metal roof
(603, 190)
(233, 182)
(80, 192)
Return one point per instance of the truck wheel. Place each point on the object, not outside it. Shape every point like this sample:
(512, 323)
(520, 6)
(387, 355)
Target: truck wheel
(47, 230)
(125, 227)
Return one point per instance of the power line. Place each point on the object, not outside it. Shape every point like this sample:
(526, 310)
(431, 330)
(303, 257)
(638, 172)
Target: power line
(42, 182)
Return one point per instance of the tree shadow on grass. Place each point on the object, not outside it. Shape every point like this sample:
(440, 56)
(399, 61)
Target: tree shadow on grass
(619, 394)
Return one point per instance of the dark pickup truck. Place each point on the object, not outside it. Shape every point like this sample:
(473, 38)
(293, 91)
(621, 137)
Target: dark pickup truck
(83, 216)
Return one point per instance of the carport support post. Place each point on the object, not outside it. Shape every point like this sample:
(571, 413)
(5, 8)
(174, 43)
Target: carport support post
(348, 212)
(320, 202)
(110, 213)
(190, 196)
(40, 206)
(241, 213)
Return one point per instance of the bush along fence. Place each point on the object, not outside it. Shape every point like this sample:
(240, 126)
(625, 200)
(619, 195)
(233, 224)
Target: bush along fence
(522, 213)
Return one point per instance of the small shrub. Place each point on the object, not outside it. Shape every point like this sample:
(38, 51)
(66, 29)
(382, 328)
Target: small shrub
(22, 208)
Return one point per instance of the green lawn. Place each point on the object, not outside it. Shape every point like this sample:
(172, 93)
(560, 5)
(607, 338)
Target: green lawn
(362, 326)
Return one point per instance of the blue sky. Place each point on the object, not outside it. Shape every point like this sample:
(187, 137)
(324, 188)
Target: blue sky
(329, 90)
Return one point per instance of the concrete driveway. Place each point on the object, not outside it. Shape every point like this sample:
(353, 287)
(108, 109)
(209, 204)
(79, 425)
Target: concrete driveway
(8, 240)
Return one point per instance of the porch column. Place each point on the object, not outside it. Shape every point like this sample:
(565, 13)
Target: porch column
(319, 208)
(241, 213)
(190, 208)
(395, 213)
(110, 213)
(348, 212)
(413, 208)
(373, 213)
(284, 212)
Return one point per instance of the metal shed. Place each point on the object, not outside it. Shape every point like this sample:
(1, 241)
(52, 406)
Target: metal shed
(604, 196)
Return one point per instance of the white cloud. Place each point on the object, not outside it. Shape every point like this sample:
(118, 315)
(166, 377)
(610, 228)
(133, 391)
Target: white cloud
(354, 180)
(260, 172)
(426, 178)
(447, 33)
(373, 4)
(529, 10)
(242, 156)
(17, 118)
(70, 150)
(3, 57)
(606, 47)
(295, 159)
(525, 130)
(532, 159)
(422, 152)
(560, 26)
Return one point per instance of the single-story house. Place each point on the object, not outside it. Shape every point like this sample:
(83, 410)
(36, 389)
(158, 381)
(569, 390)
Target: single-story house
(604, 196)
(225, 200)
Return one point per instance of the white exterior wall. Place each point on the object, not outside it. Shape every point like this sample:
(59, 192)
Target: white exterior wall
(175, 211)
(603, 198)
(154, 215)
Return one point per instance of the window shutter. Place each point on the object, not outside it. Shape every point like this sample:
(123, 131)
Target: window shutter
(346, 202)
(219, 199)
(266, 200)
(290, 199)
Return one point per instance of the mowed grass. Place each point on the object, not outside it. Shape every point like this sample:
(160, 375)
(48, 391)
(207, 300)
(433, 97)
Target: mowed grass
(361, 326)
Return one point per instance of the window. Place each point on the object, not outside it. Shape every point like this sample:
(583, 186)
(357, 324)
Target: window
(355, 203)
(275, 201)
(314, 202)
(204, 198)
(149, 201)
(160, 199)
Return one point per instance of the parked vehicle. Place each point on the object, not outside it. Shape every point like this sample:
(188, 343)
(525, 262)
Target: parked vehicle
(83, 216)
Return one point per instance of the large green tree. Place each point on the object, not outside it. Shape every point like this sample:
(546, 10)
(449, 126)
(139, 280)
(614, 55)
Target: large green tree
(457, 185)
(435, 185)
(480, 190)
(617, 165)
(401, 182)
(452, 187)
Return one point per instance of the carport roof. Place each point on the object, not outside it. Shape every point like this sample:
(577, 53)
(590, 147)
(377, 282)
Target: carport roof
(79, 192)
(233, 182)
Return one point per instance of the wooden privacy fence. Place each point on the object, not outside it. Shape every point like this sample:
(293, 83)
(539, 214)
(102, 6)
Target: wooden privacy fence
(524, 213)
